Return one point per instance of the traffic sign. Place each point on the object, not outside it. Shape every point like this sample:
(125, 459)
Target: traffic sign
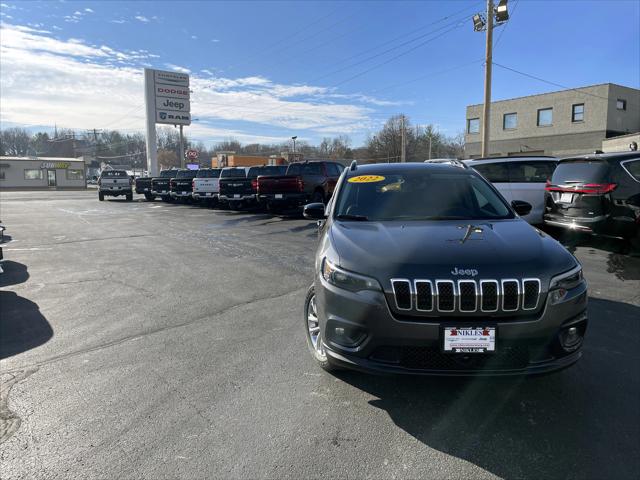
(191, 154)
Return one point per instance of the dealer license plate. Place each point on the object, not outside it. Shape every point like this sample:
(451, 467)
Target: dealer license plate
(278, 195)
(566, 197)
(469, 340)
(207, 194)
(184, 193)
(236, 195)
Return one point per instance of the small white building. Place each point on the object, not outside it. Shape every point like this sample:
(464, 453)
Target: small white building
(42, 173)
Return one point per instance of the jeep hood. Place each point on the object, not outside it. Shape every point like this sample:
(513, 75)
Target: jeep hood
(432, 249)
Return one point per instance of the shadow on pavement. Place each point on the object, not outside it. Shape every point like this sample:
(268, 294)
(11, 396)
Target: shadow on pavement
(22, 326)
(582, 422)
(14, 273)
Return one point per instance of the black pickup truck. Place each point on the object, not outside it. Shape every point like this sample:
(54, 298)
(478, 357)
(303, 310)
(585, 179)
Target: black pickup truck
(303, 183)
(160, 185)
(181, 186)
(239, 186)
(143, 187)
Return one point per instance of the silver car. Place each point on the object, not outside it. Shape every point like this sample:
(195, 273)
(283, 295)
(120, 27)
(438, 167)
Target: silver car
(519, 178)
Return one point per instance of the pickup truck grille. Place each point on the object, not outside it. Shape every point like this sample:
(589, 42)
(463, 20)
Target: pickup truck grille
(466, 296)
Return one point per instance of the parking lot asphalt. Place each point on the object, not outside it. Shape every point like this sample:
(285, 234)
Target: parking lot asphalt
(151, 340)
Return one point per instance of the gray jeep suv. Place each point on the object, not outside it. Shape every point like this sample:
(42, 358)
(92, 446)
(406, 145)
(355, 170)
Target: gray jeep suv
(425, 268)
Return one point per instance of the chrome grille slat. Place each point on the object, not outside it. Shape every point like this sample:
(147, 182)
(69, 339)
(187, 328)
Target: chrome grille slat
(510, 297)
(424, 295)
(446, 295)
(489, 295)
(531, 289)
(467, 295)
(402, 293)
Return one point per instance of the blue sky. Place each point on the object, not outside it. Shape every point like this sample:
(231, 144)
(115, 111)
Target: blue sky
(264, 71)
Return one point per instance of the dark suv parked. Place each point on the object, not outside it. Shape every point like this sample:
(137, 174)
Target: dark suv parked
(425, 268)
(596, 194)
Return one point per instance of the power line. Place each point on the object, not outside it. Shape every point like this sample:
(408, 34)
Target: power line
(395, 57)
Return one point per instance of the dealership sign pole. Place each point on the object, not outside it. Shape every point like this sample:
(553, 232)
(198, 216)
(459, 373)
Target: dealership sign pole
(167, 98)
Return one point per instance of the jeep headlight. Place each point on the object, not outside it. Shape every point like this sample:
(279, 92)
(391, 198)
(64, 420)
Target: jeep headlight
(561, 284)
(347, 280)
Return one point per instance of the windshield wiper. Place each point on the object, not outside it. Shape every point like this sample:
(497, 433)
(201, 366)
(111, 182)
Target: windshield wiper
(347, 216)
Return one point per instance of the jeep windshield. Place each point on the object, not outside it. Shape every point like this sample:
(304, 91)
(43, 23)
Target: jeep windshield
(419, 195)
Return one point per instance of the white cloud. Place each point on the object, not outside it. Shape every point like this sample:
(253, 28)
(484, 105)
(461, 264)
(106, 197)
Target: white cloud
(177, 68)
(194, 37)
(8, 7)
(142, 19)
(88, 10)
(55, 27)
(119, 22)
(45, 80)
(215, 40)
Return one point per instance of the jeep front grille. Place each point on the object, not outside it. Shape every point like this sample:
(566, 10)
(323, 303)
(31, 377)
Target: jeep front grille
(466, 296)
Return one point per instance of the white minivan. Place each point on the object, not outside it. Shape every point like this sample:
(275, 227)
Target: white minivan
(519, 178)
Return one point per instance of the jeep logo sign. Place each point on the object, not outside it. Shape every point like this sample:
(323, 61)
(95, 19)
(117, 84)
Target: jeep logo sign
(471, 272)
(175, 104)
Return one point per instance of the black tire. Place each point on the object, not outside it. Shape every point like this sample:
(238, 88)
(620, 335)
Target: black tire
(321, 359)
(101, 196)
(149, 197)
(129, 197)
(317, 197)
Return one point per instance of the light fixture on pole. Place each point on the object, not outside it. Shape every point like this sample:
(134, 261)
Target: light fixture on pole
(294, 143)
(481, 23)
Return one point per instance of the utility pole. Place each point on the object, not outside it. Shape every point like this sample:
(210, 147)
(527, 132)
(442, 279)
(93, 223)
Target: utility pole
(181, 149)
(486, 115)
(403, 153)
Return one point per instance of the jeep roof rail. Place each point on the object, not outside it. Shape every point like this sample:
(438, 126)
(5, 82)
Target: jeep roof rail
(354, 166)
(452, 161)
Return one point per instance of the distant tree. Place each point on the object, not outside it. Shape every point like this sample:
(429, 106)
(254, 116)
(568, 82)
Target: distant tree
(168, 158)
(15, 141)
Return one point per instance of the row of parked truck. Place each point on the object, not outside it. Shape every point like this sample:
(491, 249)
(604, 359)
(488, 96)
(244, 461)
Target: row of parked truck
(271, 186)
(592, 193)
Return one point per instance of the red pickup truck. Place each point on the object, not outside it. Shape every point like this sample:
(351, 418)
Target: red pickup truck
(304, 182)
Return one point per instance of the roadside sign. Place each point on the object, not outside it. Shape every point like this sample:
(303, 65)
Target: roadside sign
(191, 154)
(171, 78)
(167, 102)
(175, 104)
(173, 118)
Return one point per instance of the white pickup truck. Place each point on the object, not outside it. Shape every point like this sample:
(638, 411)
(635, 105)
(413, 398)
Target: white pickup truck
(114, 183)
(206, 185)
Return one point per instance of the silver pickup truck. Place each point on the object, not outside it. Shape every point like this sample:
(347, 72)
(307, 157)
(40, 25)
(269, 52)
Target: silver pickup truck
(206, 185)
(114, 183)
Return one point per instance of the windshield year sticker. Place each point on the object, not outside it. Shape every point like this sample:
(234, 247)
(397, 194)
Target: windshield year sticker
(366, 179)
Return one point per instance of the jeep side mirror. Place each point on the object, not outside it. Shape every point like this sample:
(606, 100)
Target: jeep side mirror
(521, 207)
(314, 211)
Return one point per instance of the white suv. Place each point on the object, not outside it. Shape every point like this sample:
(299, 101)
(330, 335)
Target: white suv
(519, 178)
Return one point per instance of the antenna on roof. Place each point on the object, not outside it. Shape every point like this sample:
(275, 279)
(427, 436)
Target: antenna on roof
(354, 166)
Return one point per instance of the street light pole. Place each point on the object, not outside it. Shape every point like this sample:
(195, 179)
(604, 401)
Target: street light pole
(486, 115)
(294, 143)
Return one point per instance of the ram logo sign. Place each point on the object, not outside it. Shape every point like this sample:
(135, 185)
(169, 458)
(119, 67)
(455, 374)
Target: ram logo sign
(172, 118)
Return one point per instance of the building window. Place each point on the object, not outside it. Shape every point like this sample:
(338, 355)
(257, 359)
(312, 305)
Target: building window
(577, 112)
(510, 121)
(621, 104)
(33, 174)
(473, 125)
(75, 174)
(545, 117)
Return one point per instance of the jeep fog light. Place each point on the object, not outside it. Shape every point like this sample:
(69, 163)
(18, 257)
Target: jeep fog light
(571, 338)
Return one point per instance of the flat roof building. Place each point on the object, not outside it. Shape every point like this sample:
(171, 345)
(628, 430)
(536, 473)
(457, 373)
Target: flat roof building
(41, 173)
(561, 123)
